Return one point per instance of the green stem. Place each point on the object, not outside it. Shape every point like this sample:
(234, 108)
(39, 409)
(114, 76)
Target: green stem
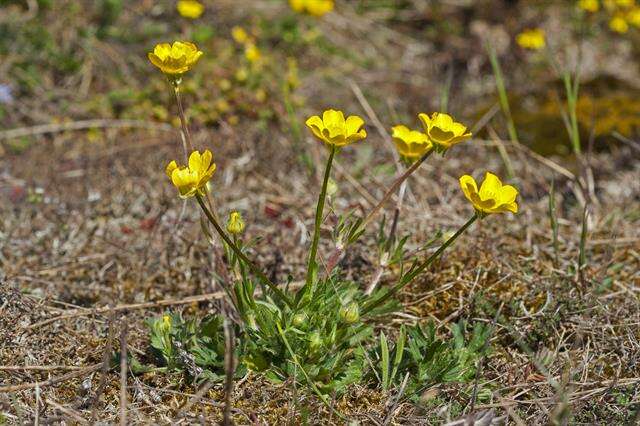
(319, 211)
(406, 279)
(502, 93)
(240, 254)
(572, 98)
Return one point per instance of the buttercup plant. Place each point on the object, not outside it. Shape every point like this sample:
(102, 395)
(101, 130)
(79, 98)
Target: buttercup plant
(317, 333)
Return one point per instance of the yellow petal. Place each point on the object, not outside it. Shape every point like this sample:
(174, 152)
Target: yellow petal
(425, 120)
(469, 187)
(490, 188)
(162, 51)
(316, 125)
(205, 160)
(353, 124)
(333, 118)
(170, 168)
(508, 194)
(195, 161)
(155, 60)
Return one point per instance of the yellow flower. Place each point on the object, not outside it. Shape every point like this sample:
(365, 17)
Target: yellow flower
(493, 196)
(411, 144)
(192, 179)
(589, 5)
(235, 224)
(531, 39)
(252, 53)
(334, 130)
(190, 9)
(619, 24)
(315, 8)
(174, 60)
(443, 131)
(239, 35)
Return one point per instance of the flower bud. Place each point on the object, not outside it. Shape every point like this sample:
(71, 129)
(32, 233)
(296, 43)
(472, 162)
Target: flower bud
(315, 340)
(235, 224)
(350, 313)
(299, 319)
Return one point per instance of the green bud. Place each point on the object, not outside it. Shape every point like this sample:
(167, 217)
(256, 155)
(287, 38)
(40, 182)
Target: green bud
(350, 313)
(235, 224)
(299, 319)
(315, 340)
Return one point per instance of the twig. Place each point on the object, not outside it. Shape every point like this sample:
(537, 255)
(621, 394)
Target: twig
(193, 400)
(396, 400)
(376, 122)
(82, 125)
(52, 381)
(39, 367)
(67, 411)
(123, 374)
(106, 355)
(133, 306)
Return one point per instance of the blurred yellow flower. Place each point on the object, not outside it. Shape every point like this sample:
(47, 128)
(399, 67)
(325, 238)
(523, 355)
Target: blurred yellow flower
(443, 131)
(174, 60)
(619, 24)
(235, 224)
(190, 9)
(411, 144)
(634, 17)
(315, 8)
(531, 39)
(239, 35)
(625, 3)
(334, 130)
(252, 53)
(192, 179)
(493, 196)
(589, 5)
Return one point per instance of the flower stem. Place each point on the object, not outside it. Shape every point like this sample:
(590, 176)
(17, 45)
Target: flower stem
(311, 266)
(187, 146)
(261, 275)
(406, 279)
